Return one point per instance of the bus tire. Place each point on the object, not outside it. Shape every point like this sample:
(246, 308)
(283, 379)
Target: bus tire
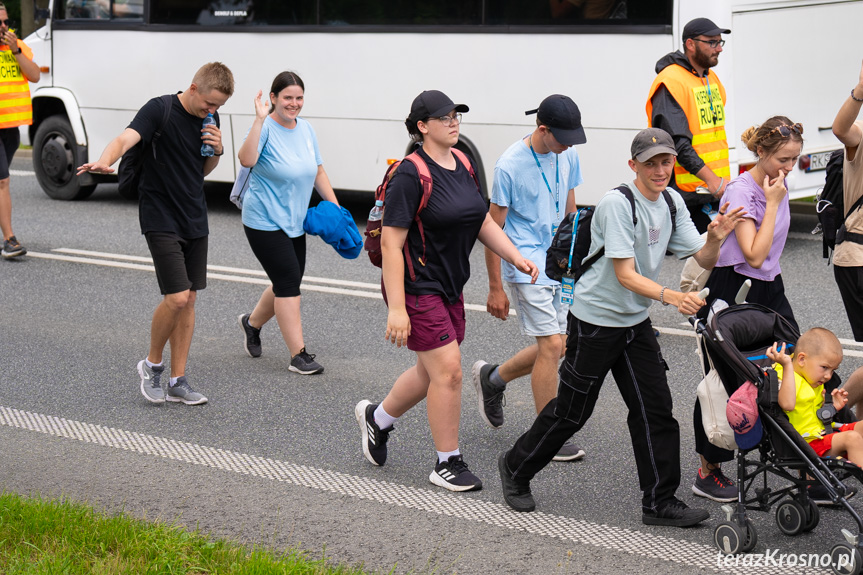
(56, 158)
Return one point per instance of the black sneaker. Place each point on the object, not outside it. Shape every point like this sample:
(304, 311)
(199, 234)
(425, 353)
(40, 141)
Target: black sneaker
(517, 495)
(674, 513)
(715, 486)
(305, 363)
(374, 438)
(454, 475)
(12, 248)
(819, 495)
(251, 336)
(490, 399)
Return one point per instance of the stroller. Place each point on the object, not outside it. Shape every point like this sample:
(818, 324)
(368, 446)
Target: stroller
(736, 339)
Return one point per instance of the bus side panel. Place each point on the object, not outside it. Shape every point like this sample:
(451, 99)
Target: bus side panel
(799, 62)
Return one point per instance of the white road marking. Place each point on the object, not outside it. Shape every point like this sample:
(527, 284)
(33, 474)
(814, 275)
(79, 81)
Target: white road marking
(681, 552)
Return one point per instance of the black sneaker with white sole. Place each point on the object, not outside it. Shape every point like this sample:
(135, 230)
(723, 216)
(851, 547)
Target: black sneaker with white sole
(454, 475)
(12, 248)
(489, 398)
(374, 438)
(251, 336)
(305, 363)
(674, 513)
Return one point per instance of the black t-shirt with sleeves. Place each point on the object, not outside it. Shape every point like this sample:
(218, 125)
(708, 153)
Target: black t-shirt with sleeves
(451, 222)
(171, 190)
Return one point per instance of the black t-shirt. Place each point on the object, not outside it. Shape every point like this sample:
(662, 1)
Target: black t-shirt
(451, 222)
(171, 190)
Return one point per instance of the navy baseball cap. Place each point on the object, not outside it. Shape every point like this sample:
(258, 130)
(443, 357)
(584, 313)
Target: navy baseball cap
(433, 104)
(562, 117)
(703, 27)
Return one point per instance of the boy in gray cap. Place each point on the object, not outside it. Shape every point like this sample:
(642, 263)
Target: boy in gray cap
(609, 330)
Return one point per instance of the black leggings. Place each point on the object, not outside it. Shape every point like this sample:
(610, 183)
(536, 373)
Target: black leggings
(283, 258)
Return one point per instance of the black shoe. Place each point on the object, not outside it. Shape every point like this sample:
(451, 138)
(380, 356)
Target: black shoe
(374, 438)
(491, 399)
(517, 495)
(454, 475)
(819, 495)
(674, 513)
(251, 336)
(12, 248)
(305, 363)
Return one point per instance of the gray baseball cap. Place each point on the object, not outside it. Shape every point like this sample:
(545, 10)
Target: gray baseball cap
(651, 142)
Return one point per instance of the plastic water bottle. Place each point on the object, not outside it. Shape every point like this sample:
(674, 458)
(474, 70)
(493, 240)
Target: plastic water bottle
(206, 149)
(377, 212)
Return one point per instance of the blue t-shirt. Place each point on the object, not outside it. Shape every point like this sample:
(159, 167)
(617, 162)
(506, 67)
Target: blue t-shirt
(599, 298)
(282, 181)
(532, 209)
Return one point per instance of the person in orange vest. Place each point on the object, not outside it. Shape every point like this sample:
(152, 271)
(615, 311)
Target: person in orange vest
(16, 109)
(687, 100)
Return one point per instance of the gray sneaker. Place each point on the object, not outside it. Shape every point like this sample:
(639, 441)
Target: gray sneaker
(151, 386)
(305, 363)
(182, 392)
(12, 248)
(251, 336)
(569, 452)
(489, 398)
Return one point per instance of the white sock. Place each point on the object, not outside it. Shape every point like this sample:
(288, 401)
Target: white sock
(445, 455)
(383, 419)
(151, 364)
(173, 381)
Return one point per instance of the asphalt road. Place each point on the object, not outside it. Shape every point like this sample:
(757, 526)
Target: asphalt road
(274, 458)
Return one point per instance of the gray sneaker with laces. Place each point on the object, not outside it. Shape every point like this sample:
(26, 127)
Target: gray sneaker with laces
(182, 392)
(151, 385)
(305, 363)
(251, 336)
(569, 452)
(489, 398)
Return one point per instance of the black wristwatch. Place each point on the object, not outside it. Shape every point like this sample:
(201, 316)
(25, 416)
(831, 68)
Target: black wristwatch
(16, 53)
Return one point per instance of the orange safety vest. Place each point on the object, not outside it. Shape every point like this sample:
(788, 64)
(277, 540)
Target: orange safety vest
(707, 125)
(16, 108)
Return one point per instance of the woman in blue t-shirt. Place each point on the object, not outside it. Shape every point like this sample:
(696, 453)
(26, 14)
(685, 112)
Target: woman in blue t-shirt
(283, 151)
(426, 311)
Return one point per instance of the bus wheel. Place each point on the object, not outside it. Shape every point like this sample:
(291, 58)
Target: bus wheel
(55, 159)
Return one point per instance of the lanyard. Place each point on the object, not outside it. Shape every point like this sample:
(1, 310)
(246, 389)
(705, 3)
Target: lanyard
(556, 177)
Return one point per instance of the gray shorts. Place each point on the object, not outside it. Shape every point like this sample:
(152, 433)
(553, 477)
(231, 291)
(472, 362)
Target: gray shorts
(540, 311)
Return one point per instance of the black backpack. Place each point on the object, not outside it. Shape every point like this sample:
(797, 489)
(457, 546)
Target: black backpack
(129, 171)
(831, 207)
(565, 257)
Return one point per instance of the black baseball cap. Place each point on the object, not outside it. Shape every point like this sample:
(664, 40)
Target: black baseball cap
(651, 142)
(432, 104)
(562, 117)
(702, 27)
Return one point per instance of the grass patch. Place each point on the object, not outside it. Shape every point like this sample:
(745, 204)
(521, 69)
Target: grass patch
(52, 537)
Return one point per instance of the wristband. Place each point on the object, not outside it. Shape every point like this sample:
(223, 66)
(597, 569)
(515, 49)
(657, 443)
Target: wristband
(853, 97)
(222, 154)
(662, 296)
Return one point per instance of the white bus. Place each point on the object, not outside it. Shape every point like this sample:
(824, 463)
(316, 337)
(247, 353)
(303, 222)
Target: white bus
(363, 61)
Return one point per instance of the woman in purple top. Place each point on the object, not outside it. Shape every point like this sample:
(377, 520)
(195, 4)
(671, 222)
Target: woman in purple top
(751, 251)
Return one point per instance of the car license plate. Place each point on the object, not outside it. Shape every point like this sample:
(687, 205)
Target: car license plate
(818, 161)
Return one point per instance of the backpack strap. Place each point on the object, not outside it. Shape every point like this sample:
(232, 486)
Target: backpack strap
(426, 182)
(842, 234)
(466, 161)
(166, 102)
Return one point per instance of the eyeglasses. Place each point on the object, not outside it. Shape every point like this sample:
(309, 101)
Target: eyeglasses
(7, 23)
(711, 43)
(448, 120)
(785, 131)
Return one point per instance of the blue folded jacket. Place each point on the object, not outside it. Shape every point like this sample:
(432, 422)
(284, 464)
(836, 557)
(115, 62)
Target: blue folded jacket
(335, 225)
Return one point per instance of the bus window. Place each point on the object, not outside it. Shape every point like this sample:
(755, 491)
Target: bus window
(234, 12)
(128, 9)
(401, 13)
(102, 9)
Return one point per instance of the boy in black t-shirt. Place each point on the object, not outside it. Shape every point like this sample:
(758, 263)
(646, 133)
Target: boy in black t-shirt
(173, 215)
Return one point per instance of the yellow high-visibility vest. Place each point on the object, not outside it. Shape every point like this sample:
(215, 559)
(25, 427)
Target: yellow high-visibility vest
(705, 111)
(16, 108)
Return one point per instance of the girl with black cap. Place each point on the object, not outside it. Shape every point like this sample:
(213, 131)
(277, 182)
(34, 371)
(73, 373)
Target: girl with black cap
(427, 314)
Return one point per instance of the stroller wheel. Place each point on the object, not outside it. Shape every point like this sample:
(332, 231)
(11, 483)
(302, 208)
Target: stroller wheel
(728, 538)
(812, 517)
(845, 560)
(751, 538)
(790, 517)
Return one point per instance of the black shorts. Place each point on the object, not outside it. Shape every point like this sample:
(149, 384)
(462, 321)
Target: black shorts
(10, 138)
(181, 264)
(282, 257)
(850, 282)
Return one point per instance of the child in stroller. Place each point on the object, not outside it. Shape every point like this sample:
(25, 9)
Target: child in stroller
(737, 340)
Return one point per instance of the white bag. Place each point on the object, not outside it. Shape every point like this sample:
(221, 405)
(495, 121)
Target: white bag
(713, 399)
(241, 186)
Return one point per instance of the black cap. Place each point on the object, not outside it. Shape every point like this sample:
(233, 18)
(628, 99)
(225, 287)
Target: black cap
(562, 117)
(651, 142)
(432, 104)
(702, 27)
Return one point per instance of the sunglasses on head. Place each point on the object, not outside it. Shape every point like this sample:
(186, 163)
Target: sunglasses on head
(785, 131)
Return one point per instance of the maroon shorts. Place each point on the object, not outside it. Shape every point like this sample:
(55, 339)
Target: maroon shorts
(434, 321)
(823, 445)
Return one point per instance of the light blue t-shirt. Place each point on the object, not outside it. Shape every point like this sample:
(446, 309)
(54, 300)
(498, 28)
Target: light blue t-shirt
(532, 209)
(599, 298)
(281, 183)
